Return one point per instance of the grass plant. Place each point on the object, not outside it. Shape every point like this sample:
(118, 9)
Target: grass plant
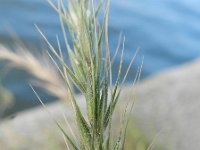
(90, 71)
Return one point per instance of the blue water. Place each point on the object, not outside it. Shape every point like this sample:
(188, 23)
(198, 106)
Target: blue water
(167, 31)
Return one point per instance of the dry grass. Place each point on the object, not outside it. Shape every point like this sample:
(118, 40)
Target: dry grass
(38, 66)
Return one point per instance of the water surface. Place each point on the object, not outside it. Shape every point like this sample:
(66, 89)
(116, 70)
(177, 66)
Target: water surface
(167, 32)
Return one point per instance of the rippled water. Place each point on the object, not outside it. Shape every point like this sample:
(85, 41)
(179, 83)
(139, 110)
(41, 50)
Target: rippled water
(167, 31)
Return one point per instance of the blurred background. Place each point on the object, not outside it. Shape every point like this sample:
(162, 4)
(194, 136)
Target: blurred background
(167, 32)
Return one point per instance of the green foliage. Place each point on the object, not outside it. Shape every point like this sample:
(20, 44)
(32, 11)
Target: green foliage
(137, 140)
(6, 100)
(90, 71)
